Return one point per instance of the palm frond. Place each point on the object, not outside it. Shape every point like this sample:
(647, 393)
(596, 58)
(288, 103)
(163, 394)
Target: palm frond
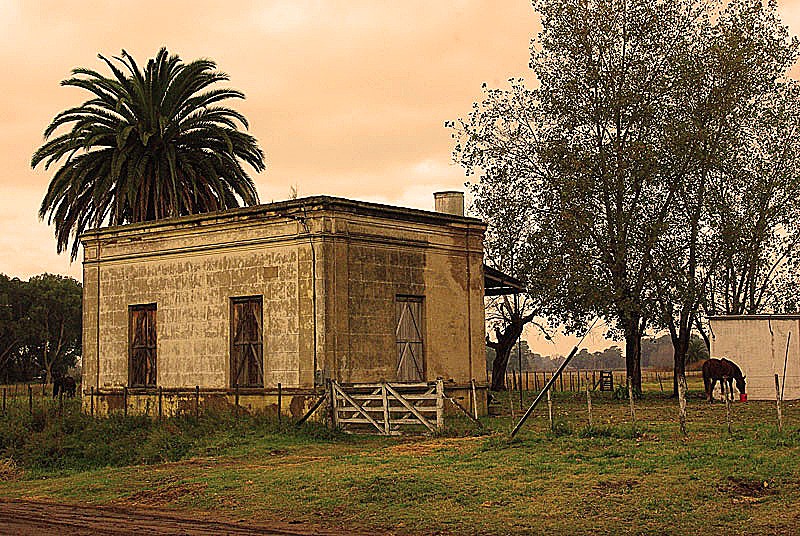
(150, 143)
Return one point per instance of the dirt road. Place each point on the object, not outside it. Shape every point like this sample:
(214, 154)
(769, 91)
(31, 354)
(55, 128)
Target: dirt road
(29, 518)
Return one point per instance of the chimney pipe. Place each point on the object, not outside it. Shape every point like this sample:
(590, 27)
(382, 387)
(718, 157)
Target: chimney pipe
(451, 202)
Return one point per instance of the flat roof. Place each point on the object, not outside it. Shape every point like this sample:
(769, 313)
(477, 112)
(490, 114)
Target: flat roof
(289, 207)
(756, 317)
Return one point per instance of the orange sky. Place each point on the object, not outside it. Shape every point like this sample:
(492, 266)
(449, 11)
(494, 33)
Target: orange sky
(346, 98)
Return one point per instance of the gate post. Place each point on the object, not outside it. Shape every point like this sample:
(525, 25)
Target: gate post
(385, 409)
(440, 405)
(334, 407)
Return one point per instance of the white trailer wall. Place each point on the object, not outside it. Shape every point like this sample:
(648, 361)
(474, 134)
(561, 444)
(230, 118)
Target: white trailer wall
(758, 344)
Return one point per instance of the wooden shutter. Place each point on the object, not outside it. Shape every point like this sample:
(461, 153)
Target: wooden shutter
(410, 357)
(247, 361)
(142, 346)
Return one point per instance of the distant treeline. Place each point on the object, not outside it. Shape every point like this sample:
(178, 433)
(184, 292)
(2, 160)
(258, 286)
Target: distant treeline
(657, 354)
(40, 327)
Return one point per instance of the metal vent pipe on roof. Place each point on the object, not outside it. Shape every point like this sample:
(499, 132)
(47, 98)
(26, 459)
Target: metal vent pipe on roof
(451, 202)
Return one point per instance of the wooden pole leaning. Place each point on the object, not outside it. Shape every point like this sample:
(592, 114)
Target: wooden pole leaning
(545, 389)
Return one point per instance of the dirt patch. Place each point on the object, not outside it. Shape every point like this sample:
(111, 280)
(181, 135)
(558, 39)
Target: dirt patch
(747, 490)
(614, 488)
(33, 518)
(425, 448)
(169, 492)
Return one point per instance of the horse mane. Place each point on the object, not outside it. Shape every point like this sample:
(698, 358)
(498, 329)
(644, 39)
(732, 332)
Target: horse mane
(737, 371)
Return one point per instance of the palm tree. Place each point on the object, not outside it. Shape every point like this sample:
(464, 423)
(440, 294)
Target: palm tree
(149, 144)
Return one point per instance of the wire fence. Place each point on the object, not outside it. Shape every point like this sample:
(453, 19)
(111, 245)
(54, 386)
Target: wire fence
(29, 397)
(577, 380)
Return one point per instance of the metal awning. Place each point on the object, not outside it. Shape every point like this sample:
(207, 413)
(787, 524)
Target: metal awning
(496, 283)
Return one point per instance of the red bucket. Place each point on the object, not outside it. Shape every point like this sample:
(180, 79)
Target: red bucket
(742, 397)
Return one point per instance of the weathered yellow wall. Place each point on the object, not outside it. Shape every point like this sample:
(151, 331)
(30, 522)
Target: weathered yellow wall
(759, 346)
(371, 261)
(191, 267)
(192, 282)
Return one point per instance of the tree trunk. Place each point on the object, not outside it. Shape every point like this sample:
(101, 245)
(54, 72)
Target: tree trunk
(499, 366)
(633, 352)
(503, 346)
(703, 334)
(680, 347)
(678, 365)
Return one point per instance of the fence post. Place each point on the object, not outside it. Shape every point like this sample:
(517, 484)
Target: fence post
(440, 405)
(630, 398)
(385, 399)
(91, 400)
(30, 399)
(160, 404)
(588, 403)
(125, 400)
(333, 403)
(236, 400)
(682, 403)
(280, 402)
(726, 392)
(196, 401)
(778, 403)
(474, 399)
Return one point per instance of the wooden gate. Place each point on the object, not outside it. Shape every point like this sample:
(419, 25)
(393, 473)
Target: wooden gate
(386, 407)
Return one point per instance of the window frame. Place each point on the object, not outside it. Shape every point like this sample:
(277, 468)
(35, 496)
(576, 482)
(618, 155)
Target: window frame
(232, 352)
(419, 324)
(132, 314)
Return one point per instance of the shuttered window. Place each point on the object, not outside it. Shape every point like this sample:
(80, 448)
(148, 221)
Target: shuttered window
(142, 345)
(410, 349)
(247, 361)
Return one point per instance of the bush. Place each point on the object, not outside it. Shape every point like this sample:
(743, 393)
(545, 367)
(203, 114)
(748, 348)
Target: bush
(52, 440)
(561, 427)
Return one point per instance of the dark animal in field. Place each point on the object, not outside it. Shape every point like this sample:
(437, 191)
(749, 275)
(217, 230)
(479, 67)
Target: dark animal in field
(721, 370)
(65, 385)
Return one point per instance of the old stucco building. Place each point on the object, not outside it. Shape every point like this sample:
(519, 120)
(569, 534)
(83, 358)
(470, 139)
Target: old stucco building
(293, 292)
(761, 345)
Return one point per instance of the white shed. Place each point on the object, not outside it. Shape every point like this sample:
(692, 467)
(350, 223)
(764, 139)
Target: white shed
(760, 345)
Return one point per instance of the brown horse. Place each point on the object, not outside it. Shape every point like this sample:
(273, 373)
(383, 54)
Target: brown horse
(64, 384)
(721, 370)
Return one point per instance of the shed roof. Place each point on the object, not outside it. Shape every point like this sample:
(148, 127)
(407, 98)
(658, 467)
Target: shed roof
(755, 317)
(497, 283)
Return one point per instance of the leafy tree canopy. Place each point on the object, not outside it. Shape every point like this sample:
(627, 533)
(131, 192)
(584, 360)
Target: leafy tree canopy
(150, 143)
(40, 326)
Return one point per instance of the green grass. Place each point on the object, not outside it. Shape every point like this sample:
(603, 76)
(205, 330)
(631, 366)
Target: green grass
(608, 479)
